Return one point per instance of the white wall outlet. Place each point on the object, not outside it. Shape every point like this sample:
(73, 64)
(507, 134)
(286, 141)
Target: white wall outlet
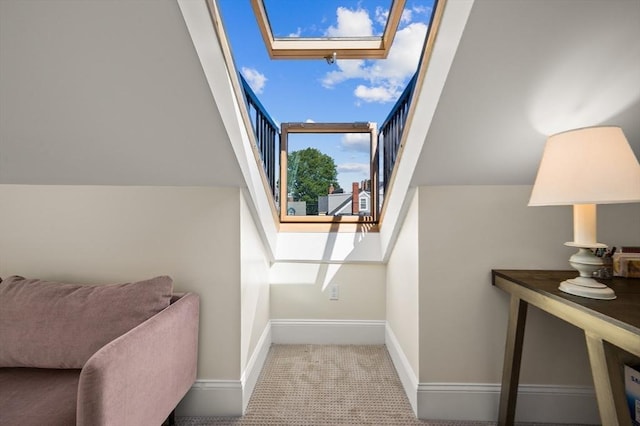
(334, 292)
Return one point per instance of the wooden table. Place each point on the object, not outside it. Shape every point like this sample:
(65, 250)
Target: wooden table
(609, 325)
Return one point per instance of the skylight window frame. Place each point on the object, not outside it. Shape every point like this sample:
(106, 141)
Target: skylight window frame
(380, 209)
(374, 47)
(318, 128)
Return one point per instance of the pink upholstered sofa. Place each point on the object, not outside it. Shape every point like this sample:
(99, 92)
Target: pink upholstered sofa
(120, 355)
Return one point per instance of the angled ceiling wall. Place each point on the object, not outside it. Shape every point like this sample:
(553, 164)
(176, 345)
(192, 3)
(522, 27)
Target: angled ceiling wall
(106, 93)
(527, 69)
(113, 93)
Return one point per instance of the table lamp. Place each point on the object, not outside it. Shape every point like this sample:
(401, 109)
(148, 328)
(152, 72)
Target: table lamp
(585, 167)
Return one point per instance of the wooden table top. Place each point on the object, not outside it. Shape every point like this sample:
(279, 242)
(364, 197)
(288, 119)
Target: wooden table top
(624, 311)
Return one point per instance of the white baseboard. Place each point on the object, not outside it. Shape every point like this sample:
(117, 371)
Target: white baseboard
(536, 403)
(557, 404)
(328, 332)
(479, 402)
(227, 397)
(403, 367)
(254, 366)
(212, 398)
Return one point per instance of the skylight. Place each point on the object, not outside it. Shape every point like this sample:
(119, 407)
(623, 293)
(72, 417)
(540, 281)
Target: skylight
(347, 62)
(350, 90)
(304, 38)
(312, 17)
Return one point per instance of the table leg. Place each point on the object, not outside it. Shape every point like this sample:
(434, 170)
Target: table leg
(602, 381)
(512, 358)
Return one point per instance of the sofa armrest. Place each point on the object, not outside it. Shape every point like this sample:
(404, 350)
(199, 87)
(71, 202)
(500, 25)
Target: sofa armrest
(139, 378)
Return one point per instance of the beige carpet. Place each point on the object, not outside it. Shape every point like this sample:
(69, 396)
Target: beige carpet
(326, 385)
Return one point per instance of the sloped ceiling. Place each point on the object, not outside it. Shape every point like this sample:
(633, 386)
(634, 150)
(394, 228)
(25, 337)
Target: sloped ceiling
(104, 92)
(113, 93)
(525, 70)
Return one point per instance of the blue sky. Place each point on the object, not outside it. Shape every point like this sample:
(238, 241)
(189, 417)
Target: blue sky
(312, 90)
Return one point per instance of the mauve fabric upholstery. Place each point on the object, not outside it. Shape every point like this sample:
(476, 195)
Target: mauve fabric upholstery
(135, 380)
(47, 324)
(140, 377)
(38, 397)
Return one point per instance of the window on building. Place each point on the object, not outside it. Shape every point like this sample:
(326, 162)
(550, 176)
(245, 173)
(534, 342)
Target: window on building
(364, 204)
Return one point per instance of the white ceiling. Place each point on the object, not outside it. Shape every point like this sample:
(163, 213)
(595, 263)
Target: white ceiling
(526, 69)
(114, 93)
(106, 92)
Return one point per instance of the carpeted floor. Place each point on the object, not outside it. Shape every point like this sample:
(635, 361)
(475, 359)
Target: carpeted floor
(326, 385)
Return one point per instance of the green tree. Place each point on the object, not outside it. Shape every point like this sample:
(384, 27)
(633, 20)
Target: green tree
(309, 175)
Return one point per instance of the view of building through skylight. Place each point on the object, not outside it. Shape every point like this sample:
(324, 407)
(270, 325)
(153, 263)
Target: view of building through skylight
(306, 90)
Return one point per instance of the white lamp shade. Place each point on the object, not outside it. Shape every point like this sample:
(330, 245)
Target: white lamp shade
(594, 165)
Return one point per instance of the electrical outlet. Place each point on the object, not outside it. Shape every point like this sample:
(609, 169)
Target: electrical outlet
(334, 292)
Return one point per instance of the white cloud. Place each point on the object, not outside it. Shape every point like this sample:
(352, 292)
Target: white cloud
(297, 33)
(255, 78)
(351, 23)
(308, 120)
(380, 94)
(382, 15)
(422, 10)
(404, 54)
(347, 69)
(407, 16)
(386, 77)
(359, 142)
(354, 168)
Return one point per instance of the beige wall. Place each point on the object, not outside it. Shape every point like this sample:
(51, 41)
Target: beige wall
(102, 234)
(254, 278)
(465, 231)
(362, 292)
(205, 238)
(402, 287)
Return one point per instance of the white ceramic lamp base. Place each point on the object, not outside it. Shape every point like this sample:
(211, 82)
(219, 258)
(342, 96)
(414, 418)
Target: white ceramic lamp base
(585, 262)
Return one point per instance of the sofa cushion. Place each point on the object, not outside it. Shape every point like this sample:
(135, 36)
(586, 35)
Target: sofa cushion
(47, 324)
(38, 396)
